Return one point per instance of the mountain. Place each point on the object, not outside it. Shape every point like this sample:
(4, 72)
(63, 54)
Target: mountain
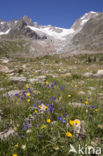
(91, 36)
(25, 37)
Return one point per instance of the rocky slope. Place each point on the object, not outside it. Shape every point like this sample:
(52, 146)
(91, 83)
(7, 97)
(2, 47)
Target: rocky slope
(29, 38)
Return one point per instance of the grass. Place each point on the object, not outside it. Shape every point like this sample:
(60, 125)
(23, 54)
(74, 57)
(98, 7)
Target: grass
(34, 136)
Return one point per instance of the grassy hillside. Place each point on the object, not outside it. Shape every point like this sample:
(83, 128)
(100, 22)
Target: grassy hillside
(43, 115)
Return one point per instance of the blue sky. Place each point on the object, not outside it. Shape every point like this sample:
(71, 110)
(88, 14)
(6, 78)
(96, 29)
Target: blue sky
(60, 13)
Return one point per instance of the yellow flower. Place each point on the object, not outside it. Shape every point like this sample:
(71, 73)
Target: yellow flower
(16, 145)
(28, 94)
(69, 135)
(27, 86)
(71, 122)
(36, 111)
(43, 126)
(86, 102)
(39, 106)
(48, 120)
(46, 107)
(77, 122)
(69, 96)
(96, 110)
(76, 86)
(47, 82)
(15, 154)
(28, 100)
(38, 92)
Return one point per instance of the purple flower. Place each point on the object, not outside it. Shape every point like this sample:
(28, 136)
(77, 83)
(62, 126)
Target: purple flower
(34, 105)
(66, 115)
(60, 108)
(55, 83)
(23, 128)
(21, 98)
(51, 109)
(29, 90)
(21, 136)
(63, 120)
(52, 85)
(38, 101)
(61, 88)
(41, 85)
(59, 118)
(40, 136)
(92, 106)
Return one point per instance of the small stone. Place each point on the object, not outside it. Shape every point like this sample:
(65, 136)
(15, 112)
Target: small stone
(79, 128)
(76, 104)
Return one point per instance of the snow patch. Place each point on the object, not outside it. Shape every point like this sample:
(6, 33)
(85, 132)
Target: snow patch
(4, 33)
(58, 35)
(2, 22)
(84, 21)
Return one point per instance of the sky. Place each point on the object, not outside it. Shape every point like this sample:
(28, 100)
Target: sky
(60, 13)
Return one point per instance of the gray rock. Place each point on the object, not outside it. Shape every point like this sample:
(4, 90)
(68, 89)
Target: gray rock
(13, 92)
(18, 79)
(5, 69)
(88, 74)
(79, 128)
(76, 104)
(100, 72)
(7, 133)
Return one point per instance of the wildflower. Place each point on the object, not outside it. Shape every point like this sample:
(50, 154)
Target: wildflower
(15, 154)
(28, 94)
(96, 110)
(76, 86)
(69, 135)
(47, 82)
(77, 121)
(27, 86)
(66, 115)
(92, 106)
(39, 106)
(28, 100)
(59, 108)
(16, 145)
(38, 92)
(46, 107)
(36, 111)
(29, 131)
(59, 118)
(63, 120)
(43, 126)
(71, 122)
(48, 120)
(23, 147)
(69, 95)
(86, 102)
(40, 136)
(21, 136)
(34, 105)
